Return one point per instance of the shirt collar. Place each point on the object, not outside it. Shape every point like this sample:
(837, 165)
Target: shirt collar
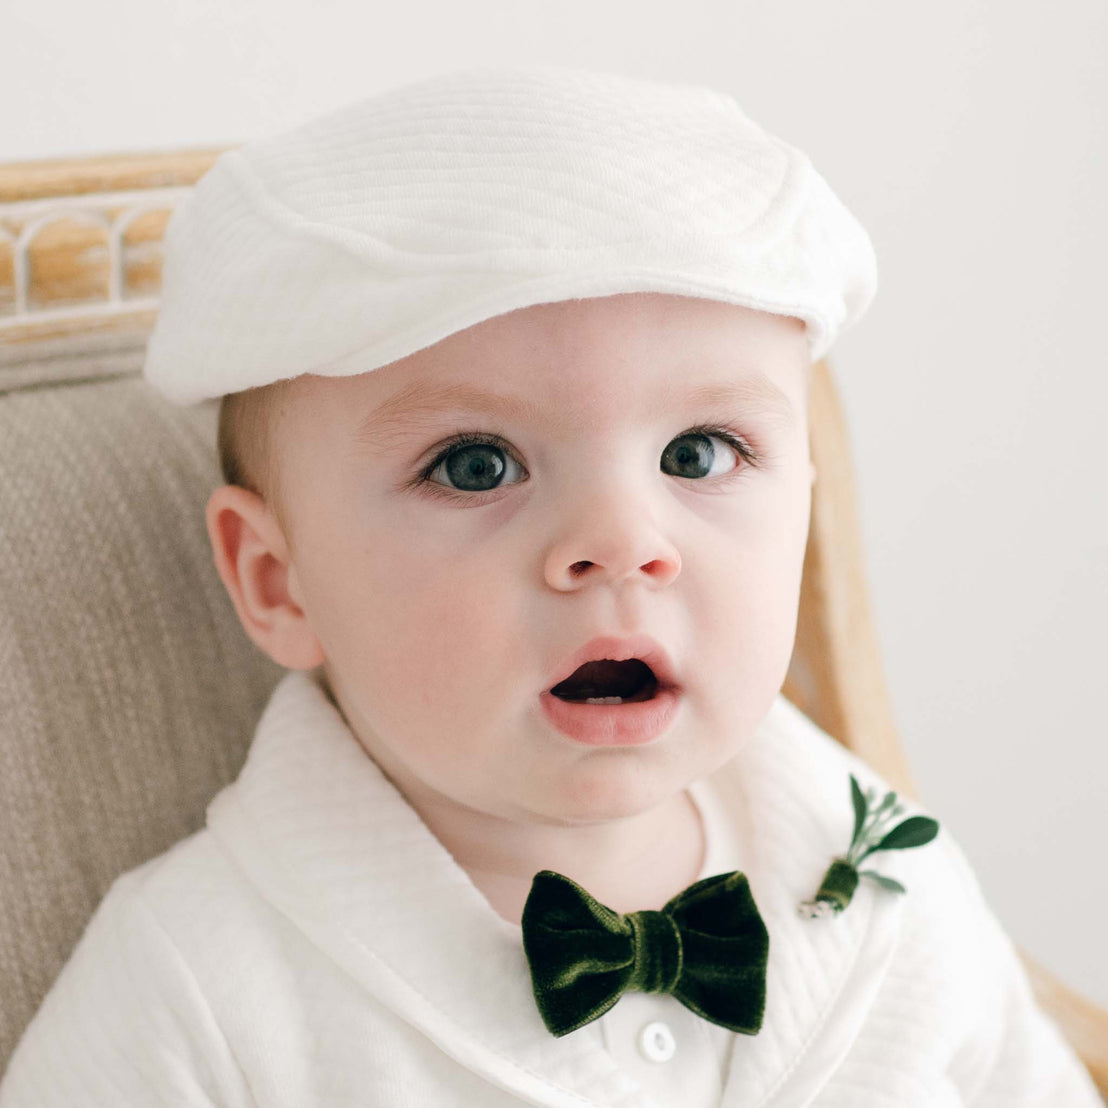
(326, 838)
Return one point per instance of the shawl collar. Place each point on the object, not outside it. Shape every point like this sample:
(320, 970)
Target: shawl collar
(327, 839)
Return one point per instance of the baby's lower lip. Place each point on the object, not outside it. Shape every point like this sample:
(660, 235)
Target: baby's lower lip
(627, 724)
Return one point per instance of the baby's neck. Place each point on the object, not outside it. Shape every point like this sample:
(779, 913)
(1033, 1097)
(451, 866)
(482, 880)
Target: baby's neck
(666, 860)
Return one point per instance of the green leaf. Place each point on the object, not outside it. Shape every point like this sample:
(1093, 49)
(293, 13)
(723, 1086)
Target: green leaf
(915, 831)
(859, 807)
(887, 803)
(883, 881)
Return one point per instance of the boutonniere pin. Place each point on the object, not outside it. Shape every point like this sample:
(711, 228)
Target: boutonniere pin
(870, 835)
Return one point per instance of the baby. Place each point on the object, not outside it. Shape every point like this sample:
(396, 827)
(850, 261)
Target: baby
(514, 367)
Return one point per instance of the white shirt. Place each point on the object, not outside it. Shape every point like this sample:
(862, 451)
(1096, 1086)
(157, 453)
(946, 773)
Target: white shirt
(315, 946)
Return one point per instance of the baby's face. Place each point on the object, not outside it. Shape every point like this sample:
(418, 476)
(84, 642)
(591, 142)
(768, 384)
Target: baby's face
(448, 585)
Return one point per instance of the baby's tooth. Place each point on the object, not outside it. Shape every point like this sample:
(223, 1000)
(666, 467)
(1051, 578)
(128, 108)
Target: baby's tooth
(604, 700)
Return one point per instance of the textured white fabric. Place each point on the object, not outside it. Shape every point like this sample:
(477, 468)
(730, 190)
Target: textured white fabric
(370, 233)
(315, 946)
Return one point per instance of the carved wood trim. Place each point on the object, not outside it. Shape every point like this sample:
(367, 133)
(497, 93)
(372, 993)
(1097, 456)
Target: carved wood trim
(81, 241)
(40, 180)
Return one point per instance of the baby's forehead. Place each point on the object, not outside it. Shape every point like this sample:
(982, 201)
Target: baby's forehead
(667, 346)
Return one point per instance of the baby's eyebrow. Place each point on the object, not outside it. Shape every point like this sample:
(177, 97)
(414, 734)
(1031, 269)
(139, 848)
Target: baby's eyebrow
(404, 410)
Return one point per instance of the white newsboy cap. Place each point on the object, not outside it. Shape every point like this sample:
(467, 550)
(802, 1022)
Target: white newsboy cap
(374, 231)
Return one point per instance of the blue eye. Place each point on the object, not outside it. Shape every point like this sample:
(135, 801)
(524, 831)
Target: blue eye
(473, 466)
(475, 462)
(692, 454)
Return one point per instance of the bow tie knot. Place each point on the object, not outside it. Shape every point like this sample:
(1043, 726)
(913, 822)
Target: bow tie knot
(708, 947)
(658, 955)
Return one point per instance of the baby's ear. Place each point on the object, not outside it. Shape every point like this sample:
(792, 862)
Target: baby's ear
(252, 557)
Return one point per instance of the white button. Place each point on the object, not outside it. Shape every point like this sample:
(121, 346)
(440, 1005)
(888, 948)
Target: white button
(657, 1043)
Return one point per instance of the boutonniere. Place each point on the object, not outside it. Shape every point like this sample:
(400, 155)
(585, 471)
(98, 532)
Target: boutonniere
(870, 835)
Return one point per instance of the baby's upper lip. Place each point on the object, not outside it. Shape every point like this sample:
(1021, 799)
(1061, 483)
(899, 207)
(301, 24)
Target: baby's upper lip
(619, 648)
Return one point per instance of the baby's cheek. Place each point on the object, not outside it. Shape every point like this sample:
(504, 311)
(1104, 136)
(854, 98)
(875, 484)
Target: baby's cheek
(474, 646)
(745, 637)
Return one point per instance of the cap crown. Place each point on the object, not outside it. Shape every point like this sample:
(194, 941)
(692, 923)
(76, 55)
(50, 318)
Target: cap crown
(374, 231)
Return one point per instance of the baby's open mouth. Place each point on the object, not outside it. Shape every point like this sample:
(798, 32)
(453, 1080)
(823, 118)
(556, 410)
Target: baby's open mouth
(608, 682)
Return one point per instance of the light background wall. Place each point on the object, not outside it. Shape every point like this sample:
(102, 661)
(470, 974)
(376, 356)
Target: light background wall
(970, 139)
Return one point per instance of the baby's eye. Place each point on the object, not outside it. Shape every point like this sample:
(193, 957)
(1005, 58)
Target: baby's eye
(475, 466)
(692, 454)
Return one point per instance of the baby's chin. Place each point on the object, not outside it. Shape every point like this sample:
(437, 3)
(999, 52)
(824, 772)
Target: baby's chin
(606, 794)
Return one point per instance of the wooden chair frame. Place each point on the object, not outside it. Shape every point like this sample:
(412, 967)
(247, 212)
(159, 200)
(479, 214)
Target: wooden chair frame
(80, 256)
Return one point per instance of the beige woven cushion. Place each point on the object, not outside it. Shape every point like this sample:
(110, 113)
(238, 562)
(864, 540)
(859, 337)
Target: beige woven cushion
(128, 690)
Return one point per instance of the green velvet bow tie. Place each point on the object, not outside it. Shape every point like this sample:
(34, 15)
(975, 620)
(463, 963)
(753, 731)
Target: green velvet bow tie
(708, 947)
